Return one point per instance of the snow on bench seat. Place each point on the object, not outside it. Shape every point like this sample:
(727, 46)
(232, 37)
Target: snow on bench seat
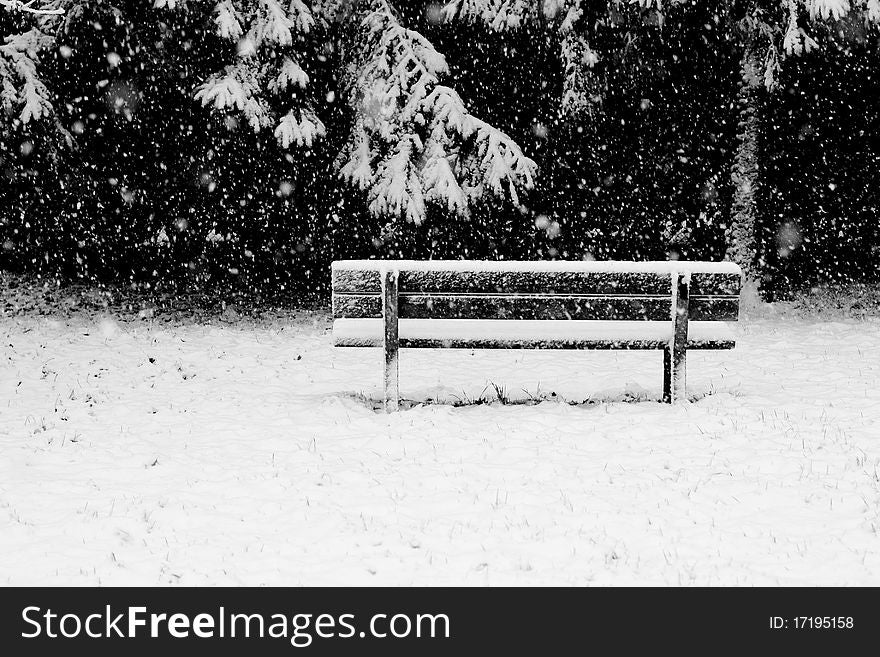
(597, 266)
(544, 334)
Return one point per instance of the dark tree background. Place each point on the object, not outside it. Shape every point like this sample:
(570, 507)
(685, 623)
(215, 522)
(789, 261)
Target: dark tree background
(138, 184)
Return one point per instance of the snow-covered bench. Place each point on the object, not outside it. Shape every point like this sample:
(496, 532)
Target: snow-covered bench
(673, 306)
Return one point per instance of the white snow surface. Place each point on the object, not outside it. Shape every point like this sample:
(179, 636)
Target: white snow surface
(371, 331)
(255, 453)
(597, 266)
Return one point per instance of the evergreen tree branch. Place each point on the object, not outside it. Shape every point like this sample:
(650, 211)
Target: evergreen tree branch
(28, 7)
(413, 139)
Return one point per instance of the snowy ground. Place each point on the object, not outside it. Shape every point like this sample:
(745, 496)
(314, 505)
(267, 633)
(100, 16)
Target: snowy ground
(242, 452)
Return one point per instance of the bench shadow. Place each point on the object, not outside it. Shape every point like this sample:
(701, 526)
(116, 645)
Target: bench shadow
(496, 396)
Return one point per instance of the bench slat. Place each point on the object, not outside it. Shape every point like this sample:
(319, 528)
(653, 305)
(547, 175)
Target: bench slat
(534, 307)
(536, 282)
(418, 306)
(544, 282)
(502, 334)
(550, 343)
(715, 284)
(713, 309)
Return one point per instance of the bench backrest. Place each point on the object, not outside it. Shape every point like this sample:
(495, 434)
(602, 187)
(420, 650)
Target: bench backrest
(553, 290)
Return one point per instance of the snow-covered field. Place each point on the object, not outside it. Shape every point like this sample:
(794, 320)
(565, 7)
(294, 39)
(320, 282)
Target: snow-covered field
(243, 452)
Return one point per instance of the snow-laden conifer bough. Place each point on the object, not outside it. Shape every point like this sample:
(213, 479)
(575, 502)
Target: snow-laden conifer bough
(32, 7)
(673, 306)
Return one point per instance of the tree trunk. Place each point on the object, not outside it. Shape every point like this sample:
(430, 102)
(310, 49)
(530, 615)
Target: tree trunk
(741, 240)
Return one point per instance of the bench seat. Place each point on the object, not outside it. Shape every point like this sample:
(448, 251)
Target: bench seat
(530, 334)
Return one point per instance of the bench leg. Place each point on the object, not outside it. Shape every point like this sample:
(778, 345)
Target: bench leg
(667, 376)
(675, 355)
(392, 393)
(391, 342)
(674, 375)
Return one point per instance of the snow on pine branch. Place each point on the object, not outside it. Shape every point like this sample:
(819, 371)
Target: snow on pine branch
(30, 7)
(302, 128)
(21, 90)
(237, 87)
(265, 68)
(23, 94)
(828, 9)
(413, 139)
(503, 15)
(795, 38)
(497, 14)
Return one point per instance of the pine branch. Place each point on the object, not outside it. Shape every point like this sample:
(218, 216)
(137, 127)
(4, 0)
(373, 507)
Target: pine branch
(21, 86)
(414, 141)
(264, 70)
(28, 7)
